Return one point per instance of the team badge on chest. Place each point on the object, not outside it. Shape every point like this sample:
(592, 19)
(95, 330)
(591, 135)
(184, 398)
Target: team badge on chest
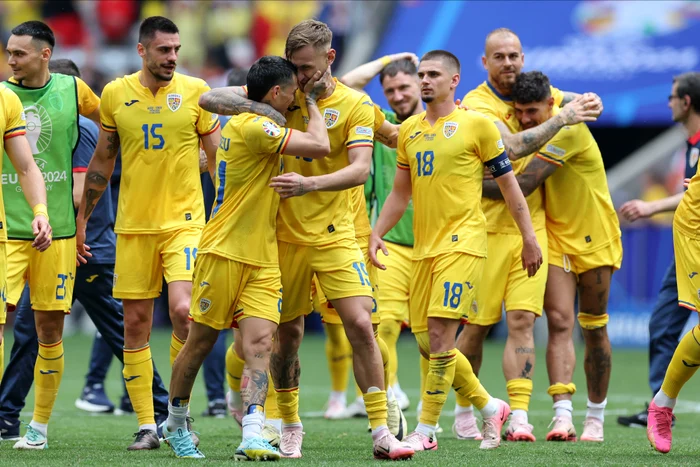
(174, 101)
(331, 117)
(694, 157)
(449, 129)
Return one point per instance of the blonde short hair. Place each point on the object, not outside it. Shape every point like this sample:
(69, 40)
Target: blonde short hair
(308, 32)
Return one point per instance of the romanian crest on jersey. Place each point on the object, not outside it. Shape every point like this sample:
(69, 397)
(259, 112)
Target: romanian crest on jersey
(204, 305)
(693, 157)
(331, 117)
(174, 101)
(449, 129)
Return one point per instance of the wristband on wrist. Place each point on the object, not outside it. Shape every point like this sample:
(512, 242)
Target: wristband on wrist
(385, 60)
(40, 210)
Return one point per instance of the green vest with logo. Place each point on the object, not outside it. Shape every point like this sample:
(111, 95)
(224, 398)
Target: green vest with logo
(53, 132)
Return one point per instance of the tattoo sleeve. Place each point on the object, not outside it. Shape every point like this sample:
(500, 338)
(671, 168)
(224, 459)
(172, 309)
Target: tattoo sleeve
(536, 172)
(568, 97)
(98, 174)
(253, 388)
(285, 370)
(529, 141)
(229, 101)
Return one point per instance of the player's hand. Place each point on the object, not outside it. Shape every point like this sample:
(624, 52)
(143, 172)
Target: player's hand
(203, 167)
(82, 250)
(375, 244)
(531, 256)
(405, 56)
(459, 104)
(291, 184)
(42, 233)
(635, 209)
(686, 183)
(585, 108)
(319, 84)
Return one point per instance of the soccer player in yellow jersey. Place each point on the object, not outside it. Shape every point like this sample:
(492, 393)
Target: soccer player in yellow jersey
(316, 236)
(237, 272)
(154, 117)
(52, 103)
(505, 284)
(684, 102)
(14, 143)
(584, 250)
(442, 153)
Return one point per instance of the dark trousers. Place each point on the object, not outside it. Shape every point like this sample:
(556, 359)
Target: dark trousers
(215, 369)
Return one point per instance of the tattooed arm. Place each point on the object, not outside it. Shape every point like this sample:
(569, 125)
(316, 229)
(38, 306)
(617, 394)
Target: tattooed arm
(568, 97)
(233, 100)
(388, 134)
(585, 108)
(98, 174)
(536, 172)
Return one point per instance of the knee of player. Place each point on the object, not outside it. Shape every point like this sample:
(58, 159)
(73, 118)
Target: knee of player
(520, 321)
(358, 328)
(49, 326)
(560, 320)
(257, 347)
(180, 310)
(290, 334)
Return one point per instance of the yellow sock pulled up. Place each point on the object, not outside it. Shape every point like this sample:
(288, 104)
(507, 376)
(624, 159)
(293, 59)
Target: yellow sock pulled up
(519, 393)
(375, 404)
(339, 356)
(176, 345)
(389, 331)
(288, 405)
(234, 369)
(138, 376)
(684, 363)
(48, 373)
(441, 374)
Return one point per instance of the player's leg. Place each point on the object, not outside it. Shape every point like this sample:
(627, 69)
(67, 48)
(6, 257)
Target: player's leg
(686, 358)
(214, 369)
(234, 373)
(179, 294)
(138, 277)
(3, 304)
(470, 343)
(559, 301)
(54, 266)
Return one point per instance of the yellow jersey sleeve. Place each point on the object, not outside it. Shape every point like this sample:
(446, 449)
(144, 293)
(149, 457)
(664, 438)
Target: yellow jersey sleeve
(489, 143)
(557, 94)
(207, 122)
(106, 110)
(361, 126)
(476, 103)
(401, 157)
(562, 146)
(379, 118)
(87, 100)
(15, 124)
(263, 136)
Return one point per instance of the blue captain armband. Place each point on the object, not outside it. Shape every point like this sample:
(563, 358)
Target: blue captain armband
(499, 165)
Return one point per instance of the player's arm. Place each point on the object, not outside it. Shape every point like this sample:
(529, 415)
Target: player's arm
(534, 175)
(33, 187)
(359, 77)
(387, 134)
(207, 152)
(392, 211)
(639, 209)
(233, 100)
(88, 102)
(78, 186)
(585, 108)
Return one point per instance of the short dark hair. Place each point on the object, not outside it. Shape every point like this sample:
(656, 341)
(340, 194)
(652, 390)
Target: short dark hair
(38, 30)
(236, 77)
(446, 57)
(399, 66)
(529, 87)
(689, 85)
(267, 72)
(65, 66)
(154, 24)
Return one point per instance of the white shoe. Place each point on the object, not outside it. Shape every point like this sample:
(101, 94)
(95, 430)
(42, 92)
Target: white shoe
(395, 420)
(401, 396)
(32, 440)
(356, 409)
(336, 410)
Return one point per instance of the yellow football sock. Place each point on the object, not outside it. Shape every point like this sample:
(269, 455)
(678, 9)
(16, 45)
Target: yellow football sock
(2, 357)
(389, 331)
(561, 388)
(384, 351)
(234, 369)
(176, 345)
(339, 356)
(271, 410)
(437, 384)
(684, 363)
(467, 384)
(519, 393)
(375, 404)
(288, 405)
(424, 367)
(48, 372)
(138, 376)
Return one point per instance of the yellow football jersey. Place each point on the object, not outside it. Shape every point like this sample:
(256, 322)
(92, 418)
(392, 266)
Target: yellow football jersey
(324, 217)
(687, 216)
(488, 101)
(580, 212)
(446, 161)
(12, 123)
(243, 219)
(159, 135)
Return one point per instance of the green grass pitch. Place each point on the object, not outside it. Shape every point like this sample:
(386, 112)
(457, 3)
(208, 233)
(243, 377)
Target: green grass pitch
(78, 438)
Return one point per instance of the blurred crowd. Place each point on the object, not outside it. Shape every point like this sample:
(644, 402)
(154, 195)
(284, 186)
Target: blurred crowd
(217, 35)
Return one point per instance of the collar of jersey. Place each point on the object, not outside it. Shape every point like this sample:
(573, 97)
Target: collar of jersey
(498, 94)
(424, 121)
(148, 91)
(693, 140)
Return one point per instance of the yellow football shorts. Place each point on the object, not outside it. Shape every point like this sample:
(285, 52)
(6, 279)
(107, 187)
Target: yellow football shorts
(395, 282)
(3, 285)
(143, 259)
(610, 255)
(687, 252)
(339, 267)
(504, 280)
(51, 274)
(444, 287)
(225, 291)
